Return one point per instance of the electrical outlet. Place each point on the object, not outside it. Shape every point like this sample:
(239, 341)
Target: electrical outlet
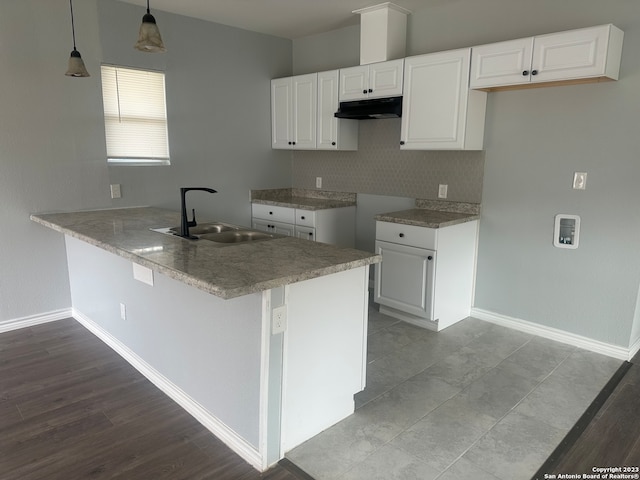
(279, 318)
(318, 182)
(442, 191)
(580, 180)
(116, 192)
(123, 311)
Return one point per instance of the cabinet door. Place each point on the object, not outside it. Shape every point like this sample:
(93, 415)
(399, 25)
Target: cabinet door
(354, 83)
(436, 107)
(262, 225)
(282, 228)
(305, 233)
(503, 63)
(573, 54)
(327, 106)
(272, 227)
(304, 89)
(405, 278)
(281, 113)
(385, 79)
(333, 133)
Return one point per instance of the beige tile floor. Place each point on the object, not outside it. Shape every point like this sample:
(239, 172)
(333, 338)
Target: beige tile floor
(476, 401)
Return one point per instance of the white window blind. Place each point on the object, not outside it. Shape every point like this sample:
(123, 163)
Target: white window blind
(135, 116)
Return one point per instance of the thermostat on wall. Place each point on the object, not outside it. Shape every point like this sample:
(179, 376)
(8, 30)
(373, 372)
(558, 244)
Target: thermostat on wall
(566, 232)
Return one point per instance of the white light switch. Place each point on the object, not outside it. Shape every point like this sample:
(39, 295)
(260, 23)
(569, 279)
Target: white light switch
(442, 191)
(318, 182)
(580, 180)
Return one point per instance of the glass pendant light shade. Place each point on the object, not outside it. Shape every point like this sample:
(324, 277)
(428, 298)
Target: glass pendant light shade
(149, 39)
(76, 66)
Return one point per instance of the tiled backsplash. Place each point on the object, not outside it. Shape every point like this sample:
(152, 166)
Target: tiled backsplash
(380, 167)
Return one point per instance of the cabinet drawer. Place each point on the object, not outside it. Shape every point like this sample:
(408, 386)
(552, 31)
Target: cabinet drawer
(411, 235)
(272, 212)
(305, 217)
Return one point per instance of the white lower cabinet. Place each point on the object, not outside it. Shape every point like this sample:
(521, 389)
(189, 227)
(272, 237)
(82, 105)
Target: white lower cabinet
(332, 225)
(426, 275)
(274, 227)
(405, 281)
(305, 233)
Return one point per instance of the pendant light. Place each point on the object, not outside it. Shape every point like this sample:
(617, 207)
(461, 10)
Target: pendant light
(76, 66)
(149, 39)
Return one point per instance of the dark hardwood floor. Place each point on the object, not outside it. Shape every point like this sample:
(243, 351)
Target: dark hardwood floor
(610, 436)
(71, 408)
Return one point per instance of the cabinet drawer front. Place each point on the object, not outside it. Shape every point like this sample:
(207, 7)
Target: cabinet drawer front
(272, 212)
(411, 235)
(305, 217)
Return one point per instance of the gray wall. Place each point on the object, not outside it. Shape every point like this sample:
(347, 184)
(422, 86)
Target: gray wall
(218, 111)
(534, 141)
(216, 366)
(52, 148)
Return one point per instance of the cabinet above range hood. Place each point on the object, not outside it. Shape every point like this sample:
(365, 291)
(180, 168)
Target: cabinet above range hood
(371, 109)
(383, 33)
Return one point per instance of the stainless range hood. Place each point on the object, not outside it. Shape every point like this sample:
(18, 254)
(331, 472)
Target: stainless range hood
(371, 109)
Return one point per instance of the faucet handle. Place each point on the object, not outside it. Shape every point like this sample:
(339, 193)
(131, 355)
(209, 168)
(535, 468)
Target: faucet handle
(192, 222)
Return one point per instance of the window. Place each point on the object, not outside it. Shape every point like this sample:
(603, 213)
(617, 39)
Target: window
(135, 116)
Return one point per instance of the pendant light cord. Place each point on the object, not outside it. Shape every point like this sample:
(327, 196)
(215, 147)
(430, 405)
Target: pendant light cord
(73, 28)
(148, 11)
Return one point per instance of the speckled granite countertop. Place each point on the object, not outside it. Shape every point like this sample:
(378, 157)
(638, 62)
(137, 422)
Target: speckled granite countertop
(304, 199)
(225, 271)
(433, 214)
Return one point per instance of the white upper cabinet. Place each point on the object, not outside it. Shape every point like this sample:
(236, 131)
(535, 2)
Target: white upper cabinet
(333, 133)
(376, 80)
(294, 112)
(575, 56)
(439, 112)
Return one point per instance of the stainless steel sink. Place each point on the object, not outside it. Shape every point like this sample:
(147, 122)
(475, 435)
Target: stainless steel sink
(205, 228)
(220, 233)
(235, 236)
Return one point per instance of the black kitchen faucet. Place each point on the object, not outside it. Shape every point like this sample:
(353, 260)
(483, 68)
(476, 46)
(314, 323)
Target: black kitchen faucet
(185, 223)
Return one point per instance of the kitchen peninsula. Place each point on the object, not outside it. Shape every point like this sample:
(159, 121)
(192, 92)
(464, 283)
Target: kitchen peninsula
(195, 317)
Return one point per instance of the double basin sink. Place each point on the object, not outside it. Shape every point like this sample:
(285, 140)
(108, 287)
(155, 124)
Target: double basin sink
(220, 233)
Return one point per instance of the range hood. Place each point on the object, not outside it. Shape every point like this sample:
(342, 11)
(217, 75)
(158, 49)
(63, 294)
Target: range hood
(370, 109)
(383, 34)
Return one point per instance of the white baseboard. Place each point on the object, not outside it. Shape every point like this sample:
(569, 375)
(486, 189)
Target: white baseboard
(634, 349)
(214, 425)
(596, 346)
(24, 322)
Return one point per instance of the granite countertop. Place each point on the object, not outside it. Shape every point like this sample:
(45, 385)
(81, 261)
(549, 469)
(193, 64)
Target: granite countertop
(433, 214)
(304, 199)
(225, 271)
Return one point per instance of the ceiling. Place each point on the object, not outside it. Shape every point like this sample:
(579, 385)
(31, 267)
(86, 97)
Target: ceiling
(282, 18)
